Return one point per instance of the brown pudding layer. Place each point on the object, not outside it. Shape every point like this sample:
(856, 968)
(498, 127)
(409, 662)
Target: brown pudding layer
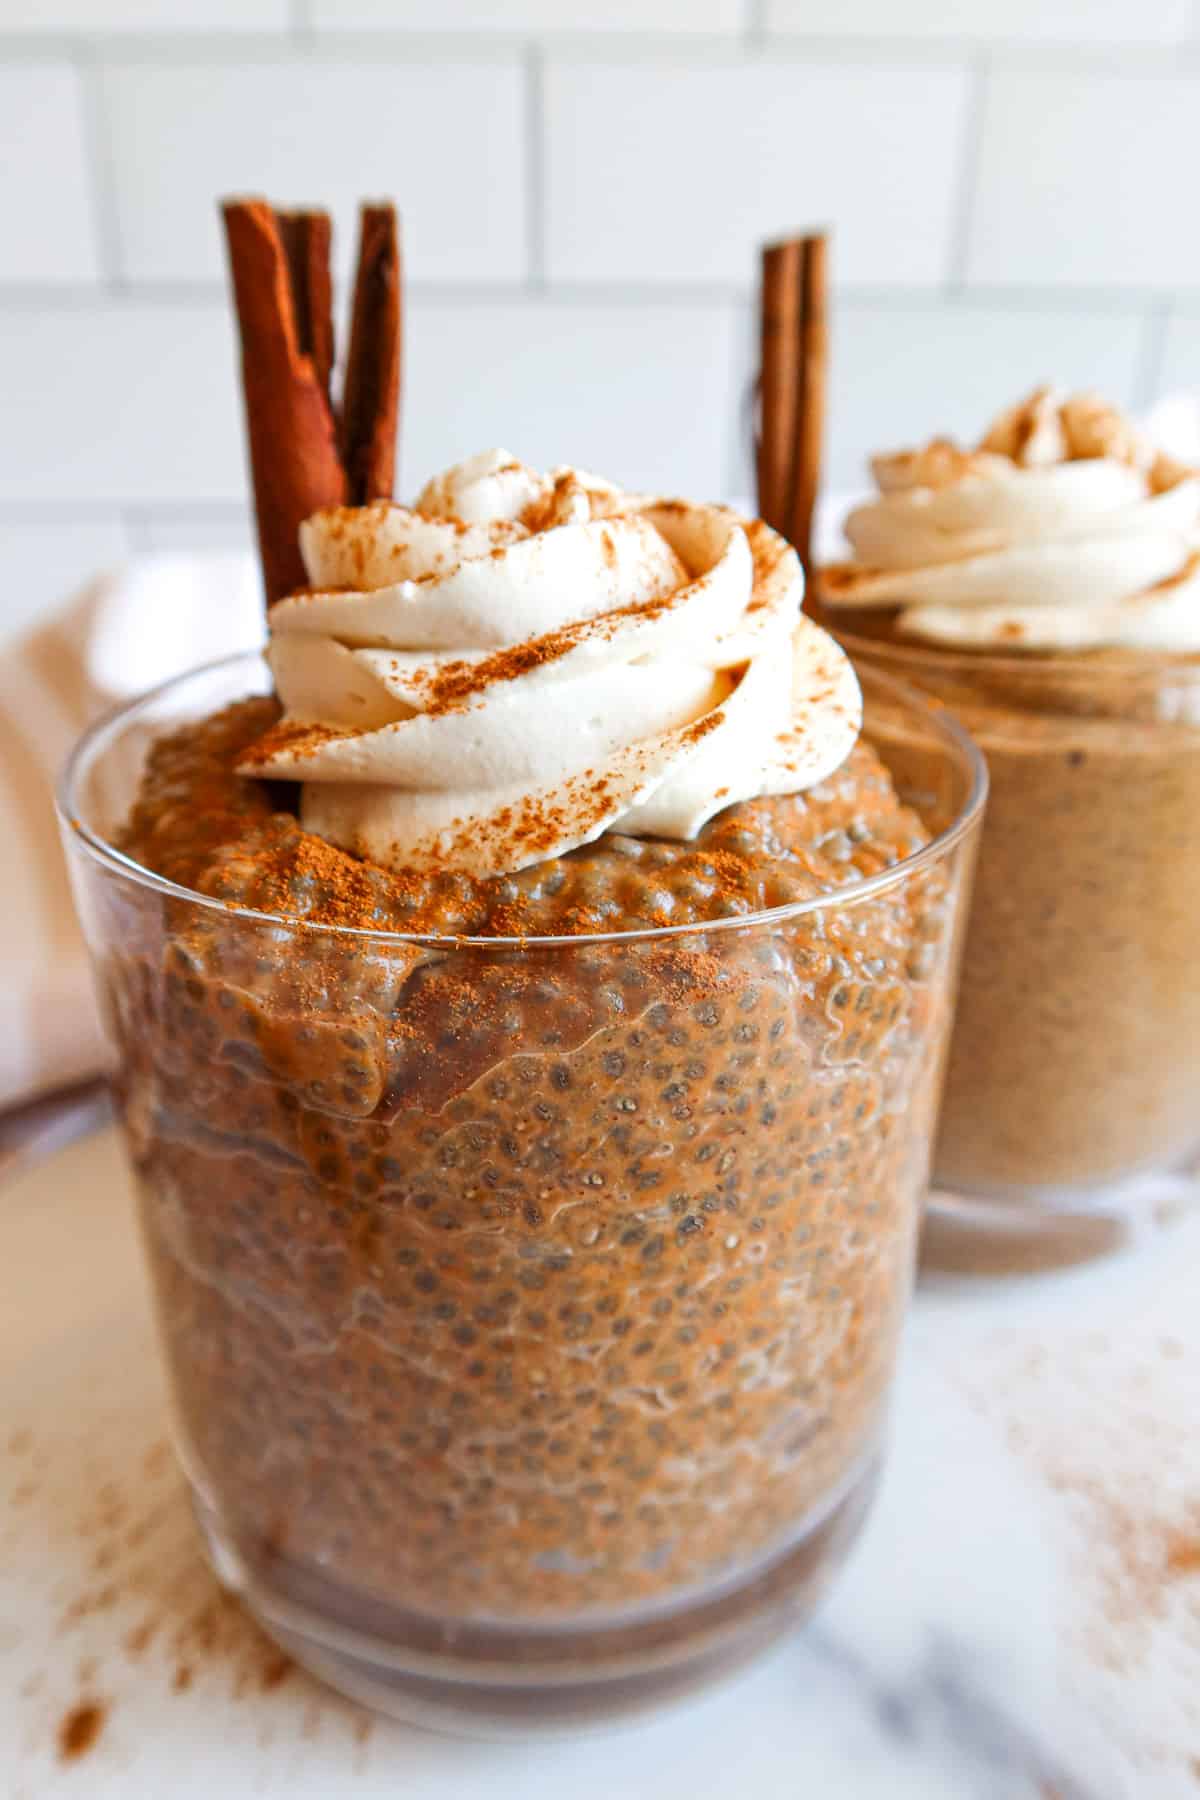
(1074, 1058)
(526, 1283)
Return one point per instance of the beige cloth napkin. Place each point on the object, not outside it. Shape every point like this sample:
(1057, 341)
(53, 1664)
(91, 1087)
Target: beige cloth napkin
(122, 634)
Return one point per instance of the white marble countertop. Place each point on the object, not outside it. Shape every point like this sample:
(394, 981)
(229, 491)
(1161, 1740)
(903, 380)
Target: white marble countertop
(1020, 1622)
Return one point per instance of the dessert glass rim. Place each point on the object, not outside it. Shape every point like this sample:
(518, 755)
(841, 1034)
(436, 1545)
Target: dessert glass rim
(1072, 665)
(103, 730)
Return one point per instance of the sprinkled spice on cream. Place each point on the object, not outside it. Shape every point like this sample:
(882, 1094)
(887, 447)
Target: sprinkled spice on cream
(522, 662)
(1063, 530)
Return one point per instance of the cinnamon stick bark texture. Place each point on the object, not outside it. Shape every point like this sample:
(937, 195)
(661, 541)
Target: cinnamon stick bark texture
(371, 398)
(792, 384)
(779, 351)
(308, 245)
(302, 455)
(289, 415)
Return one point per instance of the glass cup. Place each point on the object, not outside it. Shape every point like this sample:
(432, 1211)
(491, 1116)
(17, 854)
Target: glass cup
(1072, 1097)
(530, 1306)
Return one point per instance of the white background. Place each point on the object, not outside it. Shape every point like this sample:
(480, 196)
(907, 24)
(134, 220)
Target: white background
(583, 187)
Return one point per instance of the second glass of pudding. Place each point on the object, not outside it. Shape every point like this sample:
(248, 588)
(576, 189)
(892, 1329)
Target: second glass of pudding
(530, 1249)
(1045, 588)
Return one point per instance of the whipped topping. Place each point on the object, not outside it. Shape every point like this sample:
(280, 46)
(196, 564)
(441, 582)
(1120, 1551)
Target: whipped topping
(521, 662)
(1063, 530)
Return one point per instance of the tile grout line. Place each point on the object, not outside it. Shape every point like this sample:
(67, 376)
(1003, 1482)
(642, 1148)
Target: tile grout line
(101, 174)
(136, 530)
(1145, 57)
(754, 24)
(63, 298)
(1152, 352)
(737, 460)
(214, 512)
(42, 514)
(140, 512)
(535, 167)
(139, 520)
(969, 157)
(300, 32)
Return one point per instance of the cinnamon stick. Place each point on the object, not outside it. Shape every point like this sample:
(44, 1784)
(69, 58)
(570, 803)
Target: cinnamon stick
(308, 245)
(303, 454)
(779, 357)
(792, 381)
(371, 398)
(289, 417)
(809, 424)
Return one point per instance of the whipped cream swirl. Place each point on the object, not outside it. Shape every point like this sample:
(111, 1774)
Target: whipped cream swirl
(1064, 530)
(521, 662)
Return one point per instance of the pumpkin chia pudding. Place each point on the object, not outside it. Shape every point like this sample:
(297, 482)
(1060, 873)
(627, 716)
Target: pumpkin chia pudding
(531, 1017)
(1046, 587)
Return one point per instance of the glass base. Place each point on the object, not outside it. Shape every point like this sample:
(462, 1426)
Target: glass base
(488, 1681)
(1024, 1233)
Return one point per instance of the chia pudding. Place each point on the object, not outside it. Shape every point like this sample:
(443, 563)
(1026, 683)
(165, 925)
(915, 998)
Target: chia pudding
(530, 1281)
(1061, 622)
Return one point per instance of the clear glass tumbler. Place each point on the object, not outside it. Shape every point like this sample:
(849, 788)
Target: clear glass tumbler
(1073, 1092)
(530, 1305)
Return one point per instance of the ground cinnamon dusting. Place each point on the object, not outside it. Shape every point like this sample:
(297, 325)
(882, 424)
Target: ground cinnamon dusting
(457, 682)
(297, 737)
(80, 1729)
(239, 841)
(345, 893)
(1183, 1554)
(542, 512)
(276, 1673)
(694, 733)
(191, 1627)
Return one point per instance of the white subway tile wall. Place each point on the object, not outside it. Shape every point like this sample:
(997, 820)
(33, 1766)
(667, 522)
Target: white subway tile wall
(1080, 180)
(119, 402)
(672, 171)
(583, 190)
(448, 137)
(1181, 352)
(47, 232)
(688, 17)
(642, 390)
(883, 379)
(1071, 22)
(98, 18)
(48, 559)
